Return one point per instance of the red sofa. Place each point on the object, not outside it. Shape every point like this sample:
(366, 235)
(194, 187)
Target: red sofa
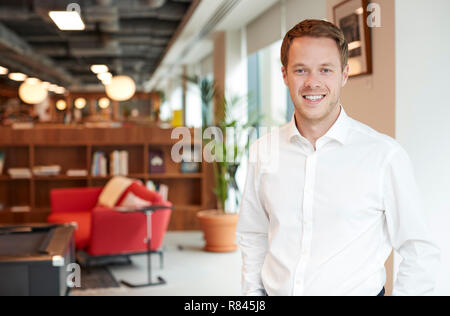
(102, 231)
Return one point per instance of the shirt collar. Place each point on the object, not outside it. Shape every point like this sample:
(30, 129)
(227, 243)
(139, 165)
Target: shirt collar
(338, 131)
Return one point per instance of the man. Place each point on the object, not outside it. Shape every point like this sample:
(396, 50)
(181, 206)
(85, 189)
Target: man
(322, 217)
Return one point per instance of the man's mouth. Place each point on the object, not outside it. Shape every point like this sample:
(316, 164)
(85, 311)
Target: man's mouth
(314, 99)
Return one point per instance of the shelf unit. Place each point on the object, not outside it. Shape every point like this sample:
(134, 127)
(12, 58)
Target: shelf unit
(73, 148)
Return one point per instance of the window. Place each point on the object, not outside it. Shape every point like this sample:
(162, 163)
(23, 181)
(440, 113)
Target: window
(269, 95)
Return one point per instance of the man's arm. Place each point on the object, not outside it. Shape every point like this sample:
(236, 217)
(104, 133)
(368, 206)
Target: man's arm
(252, 231)
(408, 228)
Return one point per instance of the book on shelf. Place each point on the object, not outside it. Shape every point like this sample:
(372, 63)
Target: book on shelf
(20, 209)
(162, 189)
(118, 163)
(2, 161)
(77, 173)
(19, 173)
(99, 163)
(45, 171)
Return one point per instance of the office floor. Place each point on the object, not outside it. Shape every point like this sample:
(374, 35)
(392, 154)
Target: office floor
(190, 271)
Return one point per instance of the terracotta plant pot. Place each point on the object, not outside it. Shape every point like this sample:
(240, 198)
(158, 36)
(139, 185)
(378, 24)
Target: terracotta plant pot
(219, 230)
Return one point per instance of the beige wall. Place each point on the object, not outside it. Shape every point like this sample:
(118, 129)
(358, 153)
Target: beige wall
(371, 99)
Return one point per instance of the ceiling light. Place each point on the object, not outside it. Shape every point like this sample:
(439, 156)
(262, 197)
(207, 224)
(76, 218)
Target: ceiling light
(60, 90)
(17, 76)
(98, 69)
(80, 103)
(67, 20)
(104, 76)
(61, 105)
(122, 88)
(46, 85)
(52, 87)
(104, 103)
(107, 81)
(3, 70)
(32, 91)
(33, 81)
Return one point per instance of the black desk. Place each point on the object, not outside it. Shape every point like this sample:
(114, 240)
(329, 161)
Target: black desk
(33, 259)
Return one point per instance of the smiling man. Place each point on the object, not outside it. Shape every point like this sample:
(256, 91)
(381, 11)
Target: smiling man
(341, 195)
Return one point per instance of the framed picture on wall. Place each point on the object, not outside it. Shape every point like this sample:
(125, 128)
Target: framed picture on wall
(351, 17)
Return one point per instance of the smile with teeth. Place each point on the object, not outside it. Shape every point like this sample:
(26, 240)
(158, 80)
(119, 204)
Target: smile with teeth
(314, 97)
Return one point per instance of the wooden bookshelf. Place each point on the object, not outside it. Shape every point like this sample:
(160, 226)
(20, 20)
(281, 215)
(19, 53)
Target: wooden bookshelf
(73, 148)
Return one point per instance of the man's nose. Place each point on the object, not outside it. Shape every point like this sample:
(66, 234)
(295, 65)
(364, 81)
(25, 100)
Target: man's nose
(312, 81)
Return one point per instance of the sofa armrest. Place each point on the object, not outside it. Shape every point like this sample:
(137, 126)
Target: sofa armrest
(74, 199)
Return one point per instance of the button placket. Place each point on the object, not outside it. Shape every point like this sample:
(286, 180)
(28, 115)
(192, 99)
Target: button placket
(307, 223)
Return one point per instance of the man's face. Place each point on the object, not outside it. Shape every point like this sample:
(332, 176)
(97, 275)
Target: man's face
(314, 76)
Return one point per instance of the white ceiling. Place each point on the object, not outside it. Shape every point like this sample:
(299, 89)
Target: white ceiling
(244, 12)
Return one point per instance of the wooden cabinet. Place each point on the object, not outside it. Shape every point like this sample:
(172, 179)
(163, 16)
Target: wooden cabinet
(73, 148)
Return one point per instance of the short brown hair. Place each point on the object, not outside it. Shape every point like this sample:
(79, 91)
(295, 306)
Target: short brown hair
(315, 28)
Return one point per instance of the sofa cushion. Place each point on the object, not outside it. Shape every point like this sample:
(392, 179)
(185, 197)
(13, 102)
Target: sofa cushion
(83, 221)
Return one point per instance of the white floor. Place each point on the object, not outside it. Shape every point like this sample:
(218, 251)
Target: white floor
(191, 271)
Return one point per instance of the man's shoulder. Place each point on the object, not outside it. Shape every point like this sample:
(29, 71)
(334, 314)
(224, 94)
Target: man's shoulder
(363, 133)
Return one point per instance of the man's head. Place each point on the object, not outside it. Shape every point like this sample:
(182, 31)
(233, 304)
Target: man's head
(314, 55)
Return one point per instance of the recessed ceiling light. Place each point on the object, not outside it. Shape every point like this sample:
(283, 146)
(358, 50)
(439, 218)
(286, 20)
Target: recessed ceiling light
(98, 69)
(17, 76)
(3, 70)
(67, 20)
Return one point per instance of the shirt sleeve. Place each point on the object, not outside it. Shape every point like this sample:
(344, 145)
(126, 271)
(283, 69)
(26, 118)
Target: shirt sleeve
(252, 232)
(408, 229)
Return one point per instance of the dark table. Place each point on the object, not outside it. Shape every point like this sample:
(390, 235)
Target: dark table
(34, 259)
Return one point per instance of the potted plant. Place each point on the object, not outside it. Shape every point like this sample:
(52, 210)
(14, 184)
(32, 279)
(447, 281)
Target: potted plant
(219, 225)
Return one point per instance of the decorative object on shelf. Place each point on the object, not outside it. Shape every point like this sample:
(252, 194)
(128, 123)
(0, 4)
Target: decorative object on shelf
(190, 167)
(32, 91)
(77, 173)
(351, 17)
(19, 173)
(177, 118)
(20, 209)
(156, 162)
(121, 88)
(2, 161)
(46, 171)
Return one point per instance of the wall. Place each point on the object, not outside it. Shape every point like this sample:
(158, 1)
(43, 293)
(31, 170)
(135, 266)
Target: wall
(371, 98)
(423, 110)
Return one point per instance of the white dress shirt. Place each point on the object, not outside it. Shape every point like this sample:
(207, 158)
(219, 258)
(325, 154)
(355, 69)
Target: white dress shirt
(324, 221)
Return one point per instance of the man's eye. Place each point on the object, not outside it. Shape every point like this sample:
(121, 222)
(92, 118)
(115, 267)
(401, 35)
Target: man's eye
(326, 70)
(300, 71)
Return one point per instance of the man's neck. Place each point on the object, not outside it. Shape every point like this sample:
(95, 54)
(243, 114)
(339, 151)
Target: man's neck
(313, 130)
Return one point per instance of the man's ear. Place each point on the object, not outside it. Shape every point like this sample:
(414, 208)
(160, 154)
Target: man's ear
(345, 75)
(284, 72)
